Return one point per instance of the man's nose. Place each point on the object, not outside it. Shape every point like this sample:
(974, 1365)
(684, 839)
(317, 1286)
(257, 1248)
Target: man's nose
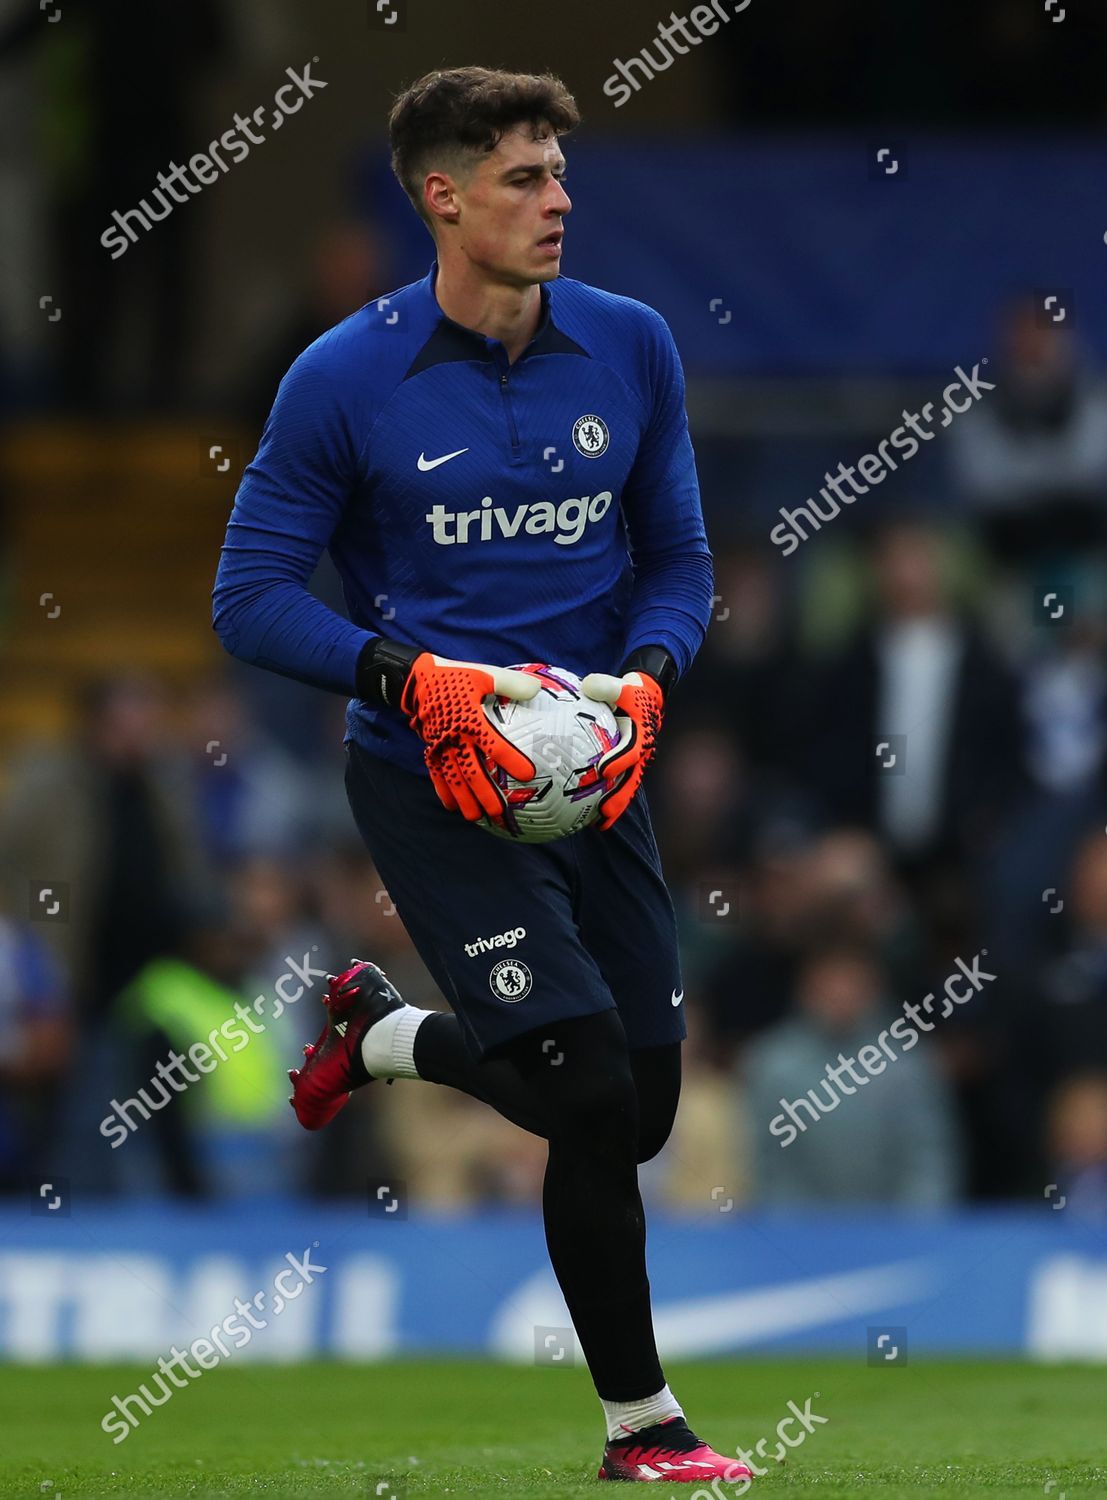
(558, 200)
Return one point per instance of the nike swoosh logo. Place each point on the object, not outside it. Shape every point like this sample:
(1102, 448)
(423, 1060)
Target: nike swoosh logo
(676, 999)
(426, 464)
(694, 1327)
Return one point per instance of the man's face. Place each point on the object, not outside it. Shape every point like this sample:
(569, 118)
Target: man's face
(511, 208)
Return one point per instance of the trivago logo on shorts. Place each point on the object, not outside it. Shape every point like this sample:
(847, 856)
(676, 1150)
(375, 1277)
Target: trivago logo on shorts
(501, 940)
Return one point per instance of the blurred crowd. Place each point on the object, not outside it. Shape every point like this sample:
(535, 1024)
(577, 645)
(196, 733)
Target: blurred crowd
(888, 765)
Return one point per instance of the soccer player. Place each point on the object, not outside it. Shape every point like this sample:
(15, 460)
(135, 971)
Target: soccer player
(498, 460)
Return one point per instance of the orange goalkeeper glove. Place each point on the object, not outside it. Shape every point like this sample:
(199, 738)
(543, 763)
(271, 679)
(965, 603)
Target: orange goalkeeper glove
(444, 702)
(639, 703)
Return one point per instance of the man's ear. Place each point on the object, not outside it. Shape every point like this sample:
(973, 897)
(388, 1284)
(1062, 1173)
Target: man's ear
(440, 194)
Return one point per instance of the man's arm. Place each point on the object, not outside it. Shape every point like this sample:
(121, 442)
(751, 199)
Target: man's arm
(672, 593)
(673, 590)
(288, 507)
(289, 504)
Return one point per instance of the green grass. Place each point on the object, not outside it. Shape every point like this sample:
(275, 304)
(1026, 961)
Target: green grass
(925, 1430)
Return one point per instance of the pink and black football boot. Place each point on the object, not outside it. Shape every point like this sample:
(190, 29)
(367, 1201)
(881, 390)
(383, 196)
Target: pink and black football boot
(333, 1066)
(668, 1451)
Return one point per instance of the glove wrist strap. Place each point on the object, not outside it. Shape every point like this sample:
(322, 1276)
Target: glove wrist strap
(382, 670)
(655, 661)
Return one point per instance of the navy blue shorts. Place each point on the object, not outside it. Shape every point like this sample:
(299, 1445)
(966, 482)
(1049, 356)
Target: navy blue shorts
(520, 935)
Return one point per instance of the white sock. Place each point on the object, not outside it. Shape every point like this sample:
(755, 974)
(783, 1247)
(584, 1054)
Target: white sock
(625, 1417)
(387, 1048)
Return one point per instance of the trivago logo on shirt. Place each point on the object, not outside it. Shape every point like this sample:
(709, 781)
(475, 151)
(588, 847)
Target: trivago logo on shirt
(566, 522)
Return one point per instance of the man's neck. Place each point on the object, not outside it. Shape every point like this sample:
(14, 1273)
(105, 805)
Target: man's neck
(508, 313)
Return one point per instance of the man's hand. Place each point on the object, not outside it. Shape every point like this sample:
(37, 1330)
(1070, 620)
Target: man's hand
(444, 702)
(638, 702)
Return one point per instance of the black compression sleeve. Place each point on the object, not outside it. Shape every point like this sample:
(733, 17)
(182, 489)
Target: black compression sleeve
(382, 670)
(657, 662)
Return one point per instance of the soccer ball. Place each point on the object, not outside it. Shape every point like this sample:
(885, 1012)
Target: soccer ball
(565, 734)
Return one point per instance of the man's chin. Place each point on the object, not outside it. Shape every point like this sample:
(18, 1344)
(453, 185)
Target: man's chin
(547, 266)
(528, 272)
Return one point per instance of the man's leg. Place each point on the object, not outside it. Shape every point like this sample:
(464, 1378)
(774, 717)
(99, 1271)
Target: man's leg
(502, 930)
(442, 1056)
(475, 907)
(594, 1221)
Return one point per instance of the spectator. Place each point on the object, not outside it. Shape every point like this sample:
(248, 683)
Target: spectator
(1064, 704)
(891, 1141)
(757, 943)
(251, 794)
(347, 267)
(1078, 1145)
(215, 1125)
(700, 794)
(1066, 1006)
(121, 117)
(913, 729)
(109, 820)
(35, 1040)
(1031, 461)
(746, 676)
(107, 825)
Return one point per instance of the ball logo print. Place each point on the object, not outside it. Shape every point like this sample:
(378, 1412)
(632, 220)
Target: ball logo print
(590, 436)
(565, 736)
(511, 980)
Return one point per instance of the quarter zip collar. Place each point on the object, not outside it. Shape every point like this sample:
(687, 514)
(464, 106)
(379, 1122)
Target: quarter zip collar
(488, 348)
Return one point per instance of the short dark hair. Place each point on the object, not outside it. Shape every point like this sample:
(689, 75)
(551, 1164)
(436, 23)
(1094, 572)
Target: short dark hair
(457, 112)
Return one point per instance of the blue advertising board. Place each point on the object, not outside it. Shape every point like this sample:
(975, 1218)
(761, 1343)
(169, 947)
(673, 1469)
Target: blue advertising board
(101, 1282)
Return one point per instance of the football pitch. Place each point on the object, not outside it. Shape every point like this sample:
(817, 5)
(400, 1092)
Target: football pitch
(464, 1428)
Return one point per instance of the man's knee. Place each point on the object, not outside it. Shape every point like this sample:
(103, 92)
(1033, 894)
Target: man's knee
(657, 1078)
(653, 1130)
(581, 1073)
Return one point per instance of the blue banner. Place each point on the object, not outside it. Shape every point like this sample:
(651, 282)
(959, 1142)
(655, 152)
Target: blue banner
(100, 1283)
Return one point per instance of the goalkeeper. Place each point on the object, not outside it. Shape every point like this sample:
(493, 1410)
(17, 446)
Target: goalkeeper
(498, 461)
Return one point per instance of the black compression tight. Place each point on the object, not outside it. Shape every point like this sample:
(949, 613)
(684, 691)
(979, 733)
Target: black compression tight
(442, 1056)
(603, 1109)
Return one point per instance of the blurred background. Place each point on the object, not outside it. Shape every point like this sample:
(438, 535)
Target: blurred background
(891, 753)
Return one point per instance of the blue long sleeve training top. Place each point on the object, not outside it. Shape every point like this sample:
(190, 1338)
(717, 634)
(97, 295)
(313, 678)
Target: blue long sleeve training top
(546, 510)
